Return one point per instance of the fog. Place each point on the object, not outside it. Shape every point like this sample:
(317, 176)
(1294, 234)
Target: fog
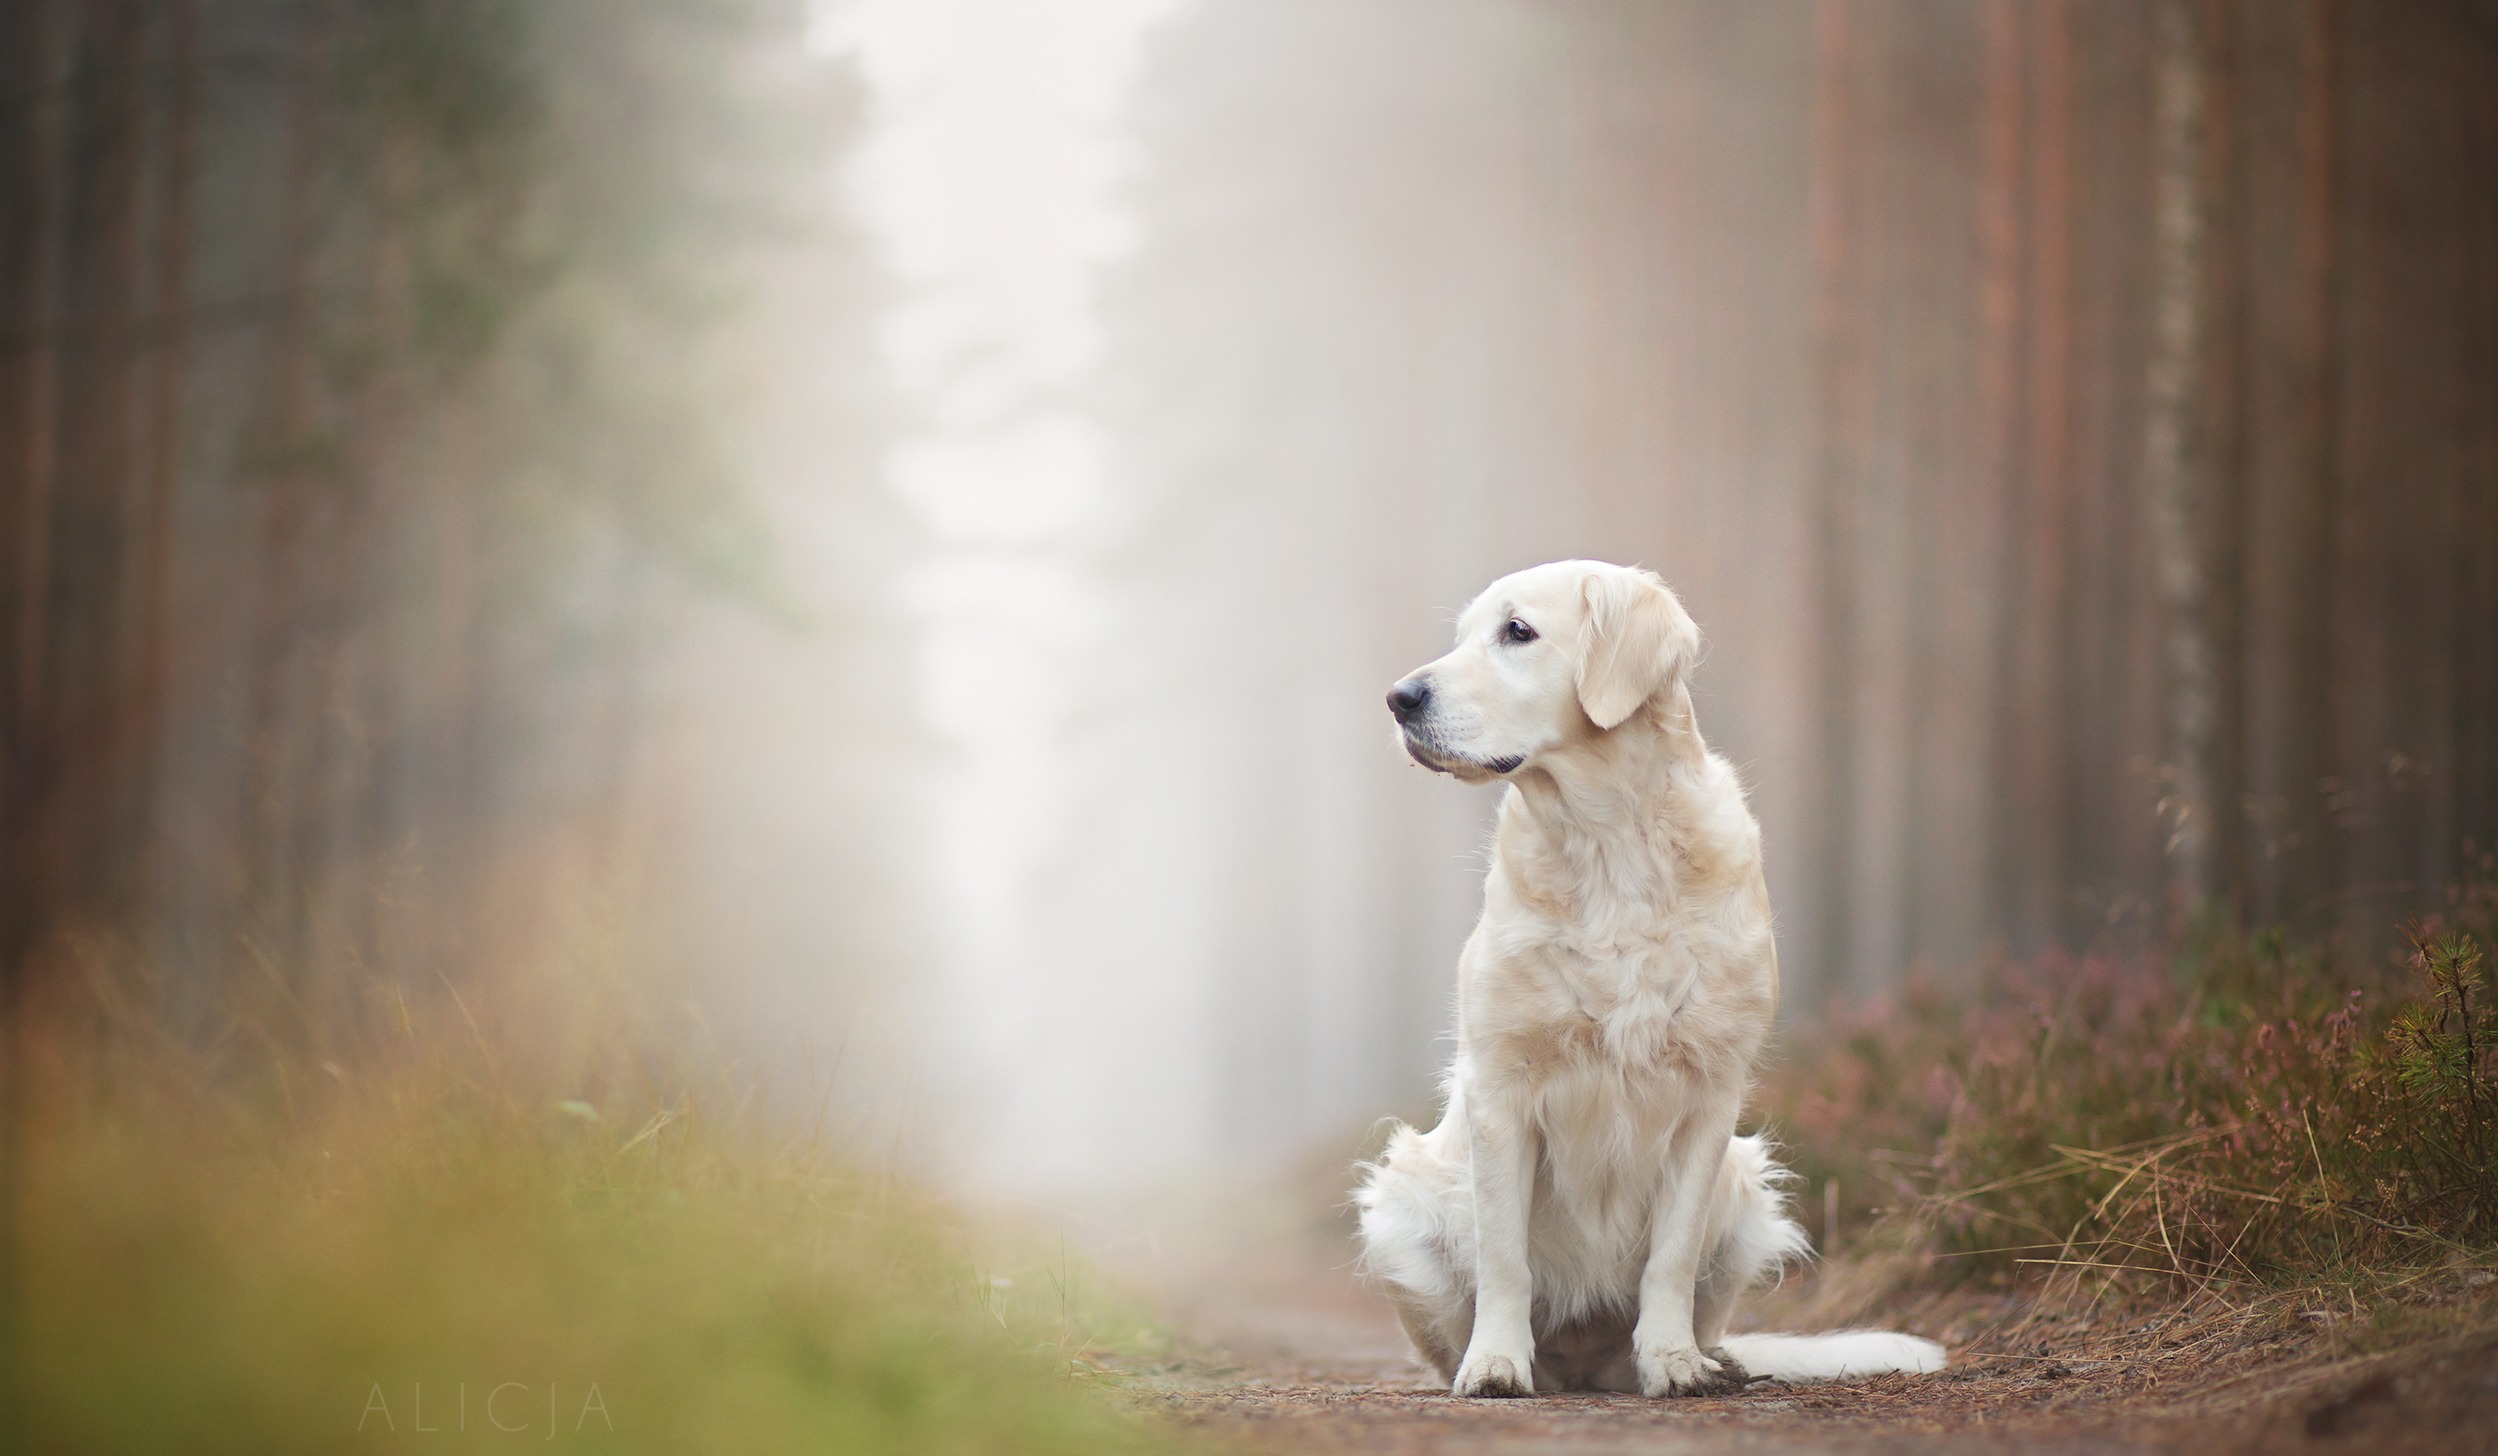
(917, 502)
(1239, 345)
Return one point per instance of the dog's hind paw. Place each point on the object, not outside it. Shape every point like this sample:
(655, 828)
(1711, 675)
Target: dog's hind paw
(1689, 1372)
(1488, 1375)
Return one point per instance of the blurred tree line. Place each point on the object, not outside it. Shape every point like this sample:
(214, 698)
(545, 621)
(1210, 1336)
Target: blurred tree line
(2216, 494)
(2072, 422)
(370, 376)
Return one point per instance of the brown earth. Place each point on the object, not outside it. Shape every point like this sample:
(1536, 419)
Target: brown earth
(1281, 1349)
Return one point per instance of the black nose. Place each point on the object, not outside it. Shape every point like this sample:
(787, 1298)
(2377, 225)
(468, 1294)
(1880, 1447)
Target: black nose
(1408, 698)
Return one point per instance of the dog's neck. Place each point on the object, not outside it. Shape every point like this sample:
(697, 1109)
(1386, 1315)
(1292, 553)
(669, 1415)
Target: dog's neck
(1600, 815)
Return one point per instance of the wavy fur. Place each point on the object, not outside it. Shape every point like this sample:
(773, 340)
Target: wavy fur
(1583, 1216)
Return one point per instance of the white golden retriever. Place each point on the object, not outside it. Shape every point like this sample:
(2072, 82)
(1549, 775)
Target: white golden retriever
(1584, 1216)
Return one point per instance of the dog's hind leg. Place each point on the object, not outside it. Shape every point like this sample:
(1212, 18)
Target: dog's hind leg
(1751, 1236)
(1418, 1240)
(1439, 1330)
(1754, 1237)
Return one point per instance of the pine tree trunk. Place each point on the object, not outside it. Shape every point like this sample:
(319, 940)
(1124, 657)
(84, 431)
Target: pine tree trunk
(161, 472)
(2222, 530)
(1837, 221)
(93, 768)
(2307, 740)
(2048, 800)
(2175, 465)
(2005, 160)
(272, 881)
(36, 176)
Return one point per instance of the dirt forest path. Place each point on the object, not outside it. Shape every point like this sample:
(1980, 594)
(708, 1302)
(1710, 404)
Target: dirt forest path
(1282, 1350)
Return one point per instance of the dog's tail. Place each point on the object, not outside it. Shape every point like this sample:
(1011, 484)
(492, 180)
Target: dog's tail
(1840, 1355)
(1762, 1237)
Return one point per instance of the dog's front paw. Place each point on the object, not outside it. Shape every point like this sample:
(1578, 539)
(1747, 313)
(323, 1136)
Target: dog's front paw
(1487, 1374)
(1687, 1371)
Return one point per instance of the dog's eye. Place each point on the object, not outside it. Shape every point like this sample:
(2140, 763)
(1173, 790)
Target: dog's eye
(1517, 631)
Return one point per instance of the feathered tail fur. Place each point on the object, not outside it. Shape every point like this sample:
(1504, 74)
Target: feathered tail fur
(1757, 1194)
(1418, 1241)
(1839, 1355)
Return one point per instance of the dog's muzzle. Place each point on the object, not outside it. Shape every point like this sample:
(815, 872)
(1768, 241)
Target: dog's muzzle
(1410, 700)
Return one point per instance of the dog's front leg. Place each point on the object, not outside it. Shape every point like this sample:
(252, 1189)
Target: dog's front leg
(1500, 1358)
(1670, 1360)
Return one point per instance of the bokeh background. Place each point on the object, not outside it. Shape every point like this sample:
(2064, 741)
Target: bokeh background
(888, 521)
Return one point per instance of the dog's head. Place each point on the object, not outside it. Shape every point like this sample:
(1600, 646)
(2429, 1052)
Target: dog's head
(1547, 658)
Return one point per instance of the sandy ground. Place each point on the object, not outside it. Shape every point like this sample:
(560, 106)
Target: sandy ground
(1282, 1349)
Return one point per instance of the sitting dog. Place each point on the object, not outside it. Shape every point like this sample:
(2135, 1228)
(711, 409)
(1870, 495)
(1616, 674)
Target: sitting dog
(1583, 1216)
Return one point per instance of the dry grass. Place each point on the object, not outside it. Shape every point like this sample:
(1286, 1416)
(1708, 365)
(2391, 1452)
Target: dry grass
(508, 1225)
(2250, 1136)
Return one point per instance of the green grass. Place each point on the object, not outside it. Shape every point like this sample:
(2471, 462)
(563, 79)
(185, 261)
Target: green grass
(420, 1248)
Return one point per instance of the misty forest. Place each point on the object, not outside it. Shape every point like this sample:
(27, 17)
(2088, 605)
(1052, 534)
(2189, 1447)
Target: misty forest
(690, 695)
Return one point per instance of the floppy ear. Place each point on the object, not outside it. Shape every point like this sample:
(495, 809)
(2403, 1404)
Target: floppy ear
(1633, 640)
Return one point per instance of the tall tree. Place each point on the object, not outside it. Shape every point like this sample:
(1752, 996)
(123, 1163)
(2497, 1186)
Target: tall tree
(2176, 470)
(2291, 623)
(2006, 161)
(89, 618)
(34, 121)
(1840, 372)
(2031, 355)
(177, 169)
(291, 454)
(39, 171)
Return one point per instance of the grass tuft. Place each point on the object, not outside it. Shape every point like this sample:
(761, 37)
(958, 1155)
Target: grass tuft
(440, 1242)
(2248, 1117)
